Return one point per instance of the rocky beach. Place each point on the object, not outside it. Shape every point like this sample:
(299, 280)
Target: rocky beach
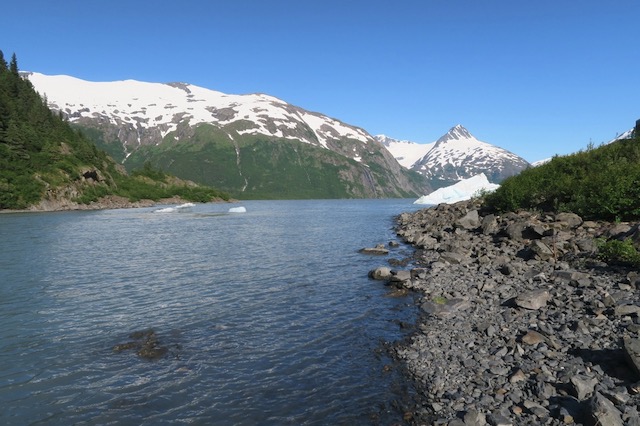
(522, 323)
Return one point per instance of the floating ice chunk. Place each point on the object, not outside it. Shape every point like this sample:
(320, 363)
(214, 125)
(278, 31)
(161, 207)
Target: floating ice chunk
(463, 190)
(237, 210)
(180, 208)
(185, 206)
(166, 210)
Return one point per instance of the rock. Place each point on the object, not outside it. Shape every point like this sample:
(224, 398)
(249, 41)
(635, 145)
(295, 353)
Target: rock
(380, 273)
(583, 386)
(469, 221)
(624, 310)
(379, 250)
(400, 276)
(533, 300)
(146, 344)
(532, 338)
(518, 376)
(475, 418)
(426, 242)
(569, 220)
(541, 250)
(451, 257)
(632, 352)
(604, 412)
(497, 419)
(489, 225)
(444, 308)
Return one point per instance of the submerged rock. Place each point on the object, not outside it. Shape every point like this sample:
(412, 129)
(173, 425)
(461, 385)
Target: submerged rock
(145, 343)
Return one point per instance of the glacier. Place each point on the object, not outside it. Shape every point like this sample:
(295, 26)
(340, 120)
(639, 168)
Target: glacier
(460, 191)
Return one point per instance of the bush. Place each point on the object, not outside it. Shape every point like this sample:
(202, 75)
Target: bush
(618, 252)
(602, 183)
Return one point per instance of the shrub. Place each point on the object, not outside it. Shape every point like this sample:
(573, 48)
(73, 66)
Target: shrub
(618, 252)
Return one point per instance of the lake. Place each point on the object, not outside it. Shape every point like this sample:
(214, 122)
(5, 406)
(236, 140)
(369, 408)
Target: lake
(267, 316)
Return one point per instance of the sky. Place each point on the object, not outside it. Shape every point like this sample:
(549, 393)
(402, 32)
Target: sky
(537, 78)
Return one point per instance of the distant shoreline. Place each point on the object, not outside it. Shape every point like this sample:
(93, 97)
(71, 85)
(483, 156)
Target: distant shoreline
(104, 203)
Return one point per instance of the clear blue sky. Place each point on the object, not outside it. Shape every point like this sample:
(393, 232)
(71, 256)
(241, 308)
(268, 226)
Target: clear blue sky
(535, 77)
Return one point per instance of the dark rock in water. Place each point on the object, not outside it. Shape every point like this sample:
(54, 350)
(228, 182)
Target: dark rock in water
(379, 249)
(145, 343)
(380, 273)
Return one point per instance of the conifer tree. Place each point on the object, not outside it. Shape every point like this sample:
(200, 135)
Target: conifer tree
(3, 63)
(13, 66)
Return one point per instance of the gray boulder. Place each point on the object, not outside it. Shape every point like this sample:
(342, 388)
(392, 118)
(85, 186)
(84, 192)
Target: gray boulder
(533, 299)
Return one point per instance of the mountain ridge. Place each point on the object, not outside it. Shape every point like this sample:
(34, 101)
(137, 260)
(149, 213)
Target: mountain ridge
(457, 155)
(247, 145)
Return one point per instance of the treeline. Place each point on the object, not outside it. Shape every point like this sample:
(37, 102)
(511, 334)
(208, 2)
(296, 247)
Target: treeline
(39, 151)
(598, 183)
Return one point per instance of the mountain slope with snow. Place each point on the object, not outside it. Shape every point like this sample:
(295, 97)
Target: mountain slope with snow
(248, 145)
(459, 155)
(405, 152)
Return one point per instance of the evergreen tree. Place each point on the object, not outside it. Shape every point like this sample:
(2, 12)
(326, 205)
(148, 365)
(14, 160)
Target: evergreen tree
(3, 63)
(13, 66)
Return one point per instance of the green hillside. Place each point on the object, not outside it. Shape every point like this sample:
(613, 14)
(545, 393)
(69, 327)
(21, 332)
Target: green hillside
(259, 167)
(43, 157)
(598, 183)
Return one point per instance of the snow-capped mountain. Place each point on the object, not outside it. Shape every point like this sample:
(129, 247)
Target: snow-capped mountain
(407, 153)
(246, 144)
(153, 110)
(459, 155)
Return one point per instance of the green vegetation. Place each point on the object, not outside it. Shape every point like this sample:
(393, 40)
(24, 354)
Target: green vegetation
(42, 155)
(618, 252)
(599, 183)
(257, 167)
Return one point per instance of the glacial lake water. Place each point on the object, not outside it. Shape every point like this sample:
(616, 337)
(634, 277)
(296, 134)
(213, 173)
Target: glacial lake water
(268, 315)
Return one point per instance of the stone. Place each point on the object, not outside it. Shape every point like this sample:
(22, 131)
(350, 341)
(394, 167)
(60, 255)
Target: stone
(533, 300)
(378, 250)
(604, 412)
(451, 257)
(541, 250)
(489, 225)
(583, 386)
(380, 273)
(532, 338)
(444, 308)
(497, 419)
(624, 310)
(569, 220)
(469, 221)
(475, 418)
(518, 376)
(632, 352)
(400, 276)
(426, 242)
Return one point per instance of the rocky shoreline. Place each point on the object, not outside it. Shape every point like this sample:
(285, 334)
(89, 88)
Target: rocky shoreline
(521, 324)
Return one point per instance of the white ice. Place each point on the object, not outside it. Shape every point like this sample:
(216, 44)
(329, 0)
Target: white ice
(237, 210)
(460, 191)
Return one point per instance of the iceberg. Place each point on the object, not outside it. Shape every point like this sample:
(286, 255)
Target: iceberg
(460, 191)
(237, 210)
(180, 208)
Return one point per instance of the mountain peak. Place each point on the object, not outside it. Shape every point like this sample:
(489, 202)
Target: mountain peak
(457, 132)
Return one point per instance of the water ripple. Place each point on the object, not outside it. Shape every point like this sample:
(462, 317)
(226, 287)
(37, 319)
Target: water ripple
(268, 316)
